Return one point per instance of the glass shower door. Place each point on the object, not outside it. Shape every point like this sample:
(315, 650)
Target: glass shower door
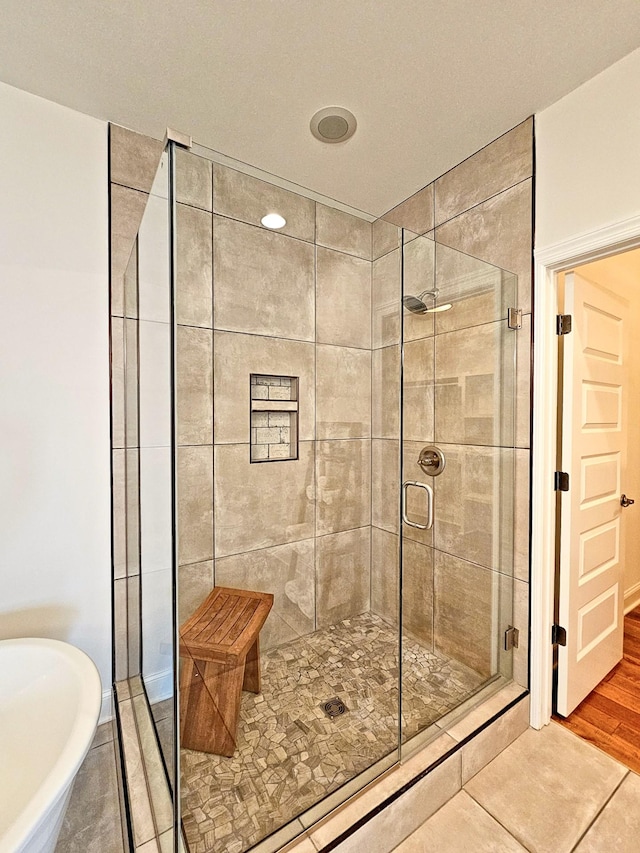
(457, 476)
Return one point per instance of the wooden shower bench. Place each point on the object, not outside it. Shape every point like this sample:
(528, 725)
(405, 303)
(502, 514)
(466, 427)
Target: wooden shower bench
(219, 657)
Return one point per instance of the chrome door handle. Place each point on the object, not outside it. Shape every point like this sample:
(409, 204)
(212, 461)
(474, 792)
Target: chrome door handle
(625, 501)
(429, 491)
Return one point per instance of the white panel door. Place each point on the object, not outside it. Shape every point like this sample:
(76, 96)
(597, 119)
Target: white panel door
(594, 436)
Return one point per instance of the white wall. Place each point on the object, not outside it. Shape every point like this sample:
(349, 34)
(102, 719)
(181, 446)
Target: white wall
(54, 376)
(588, 155)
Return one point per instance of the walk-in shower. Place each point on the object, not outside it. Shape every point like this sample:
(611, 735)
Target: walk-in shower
(299, 424)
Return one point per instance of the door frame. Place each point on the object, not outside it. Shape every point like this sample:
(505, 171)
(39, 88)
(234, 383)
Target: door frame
(548, 261)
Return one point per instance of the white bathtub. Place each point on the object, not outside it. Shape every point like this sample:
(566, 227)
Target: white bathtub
(49, 707)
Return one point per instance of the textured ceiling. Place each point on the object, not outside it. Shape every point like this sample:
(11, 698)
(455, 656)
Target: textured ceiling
(430, 81)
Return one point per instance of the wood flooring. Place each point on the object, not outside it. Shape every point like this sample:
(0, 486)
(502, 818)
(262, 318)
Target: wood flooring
(609, 717)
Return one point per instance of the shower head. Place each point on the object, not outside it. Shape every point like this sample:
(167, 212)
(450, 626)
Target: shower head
(416, 305)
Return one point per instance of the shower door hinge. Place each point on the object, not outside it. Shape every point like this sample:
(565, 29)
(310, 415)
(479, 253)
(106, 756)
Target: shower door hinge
(514, 318)
(561, 481)
(511, 638)
(563, 324)
(558, 635)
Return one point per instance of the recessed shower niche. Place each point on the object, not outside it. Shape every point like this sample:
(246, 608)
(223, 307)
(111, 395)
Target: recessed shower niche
(274, 417)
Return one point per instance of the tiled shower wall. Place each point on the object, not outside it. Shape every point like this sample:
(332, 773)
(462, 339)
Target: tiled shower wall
(320, 532)
(299, 528)
(484, 208)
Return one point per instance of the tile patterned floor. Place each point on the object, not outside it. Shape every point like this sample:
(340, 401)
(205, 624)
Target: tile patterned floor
(92, 823)
(289, 754)
(549, 792)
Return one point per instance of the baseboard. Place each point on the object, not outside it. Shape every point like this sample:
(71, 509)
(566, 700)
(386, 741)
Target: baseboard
(106, 708)
(159, 685)
(631, 598)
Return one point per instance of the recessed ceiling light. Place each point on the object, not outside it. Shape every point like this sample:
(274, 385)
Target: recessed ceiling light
(333, 124)
(273, 221)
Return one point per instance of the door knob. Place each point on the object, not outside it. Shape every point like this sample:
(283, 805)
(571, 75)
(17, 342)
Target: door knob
(625, 501)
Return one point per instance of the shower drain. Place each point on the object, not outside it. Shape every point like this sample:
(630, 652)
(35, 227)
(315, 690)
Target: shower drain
(334, 707)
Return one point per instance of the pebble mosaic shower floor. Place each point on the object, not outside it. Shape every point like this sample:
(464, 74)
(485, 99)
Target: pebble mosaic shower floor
(289, 754)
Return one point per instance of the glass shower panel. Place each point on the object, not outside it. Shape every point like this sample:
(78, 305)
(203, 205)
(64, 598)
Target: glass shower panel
(457, 471)
(295, 468)
(150, 411)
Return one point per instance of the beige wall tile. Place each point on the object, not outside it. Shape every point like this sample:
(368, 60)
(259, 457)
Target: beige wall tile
(195, 582)
(120, 632)
(236, 357)
(264, 281)
(385, 238)
(521, 622)
(501, 164)
(387, 292)
(117, 382)
(127, 207)
(133, 158)
(343, 490)
(194, 385)
(384, 574)
(193, 180)
(194, 267)
(119, 497)
(385, 386)
(195, 504)
(287, 571)
(418, 390)
(415, 213)
(474, 505)
(417, 590)
(385, 484)
(343, 299)
(131, 328)
(475, 385)
(463, 611)
(498, 231)
(522, 505)
(134, 627)
(261, 505)
(419, 264)
(392, 825)
(343, 565)
(478, 291)
(248, 199)
(523, 383)
(133, 515)
(343, 392)
(338, 230)
(417, 506)
(490, 742)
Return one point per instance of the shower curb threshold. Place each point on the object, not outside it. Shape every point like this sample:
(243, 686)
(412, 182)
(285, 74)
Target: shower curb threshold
(425, 781)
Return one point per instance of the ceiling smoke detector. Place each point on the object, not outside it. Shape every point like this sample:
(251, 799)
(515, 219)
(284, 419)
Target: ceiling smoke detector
(333, 124)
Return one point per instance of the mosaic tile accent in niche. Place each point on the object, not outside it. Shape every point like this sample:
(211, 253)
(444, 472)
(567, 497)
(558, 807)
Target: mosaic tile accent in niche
(289, 754)
(274, 417)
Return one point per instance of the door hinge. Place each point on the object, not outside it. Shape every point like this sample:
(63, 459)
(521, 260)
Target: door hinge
(511, 638)
(563, 324)
(514, 318)
(558, 635)
(561, 481)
